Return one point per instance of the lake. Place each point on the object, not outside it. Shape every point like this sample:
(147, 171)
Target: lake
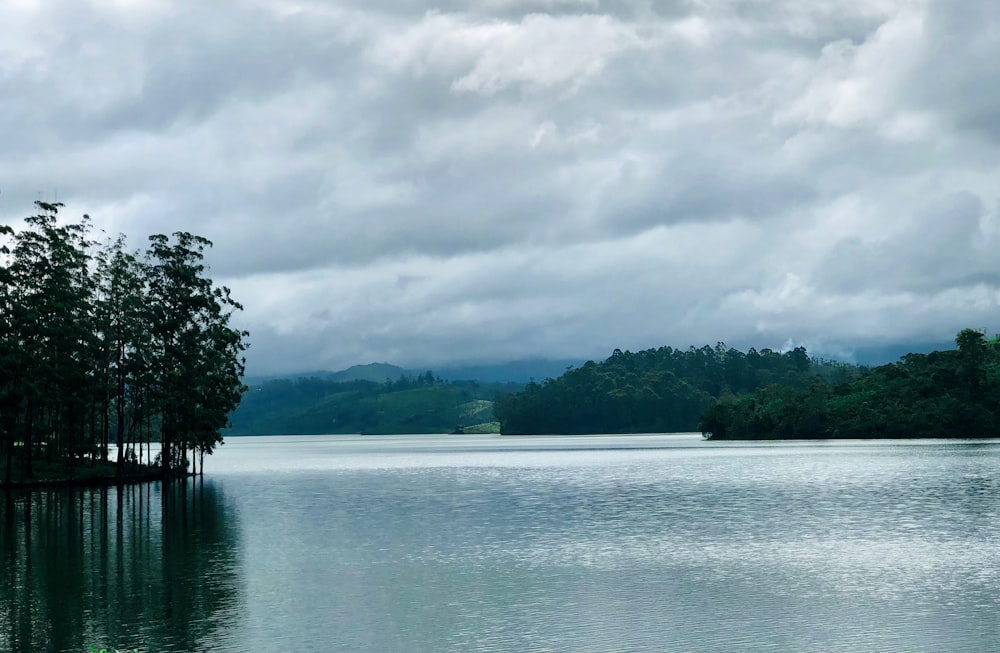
(522, 544)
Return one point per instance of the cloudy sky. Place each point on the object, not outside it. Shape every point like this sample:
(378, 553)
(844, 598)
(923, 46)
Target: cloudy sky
(433, 183)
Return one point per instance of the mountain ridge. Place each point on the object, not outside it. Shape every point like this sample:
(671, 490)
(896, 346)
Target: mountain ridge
(517, 371)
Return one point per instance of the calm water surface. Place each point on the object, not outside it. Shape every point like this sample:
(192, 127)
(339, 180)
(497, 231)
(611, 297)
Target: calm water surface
(482, 543)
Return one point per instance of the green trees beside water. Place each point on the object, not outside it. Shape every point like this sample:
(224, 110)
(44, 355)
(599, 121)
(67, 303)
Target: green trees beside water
(954, 393)
(730, 394)
(102, 345)
(656, 390)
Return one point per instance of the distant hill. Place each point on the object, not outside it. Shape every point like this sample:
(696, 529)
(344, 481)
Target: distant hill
(383, 398)
(375, 372)
(652, 390)
(520, 371)
(411, 404)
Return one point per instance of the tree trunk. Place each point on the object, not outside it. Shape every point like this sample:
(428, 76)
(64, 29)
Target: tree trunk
(120, 436)
(10, 458)
(26, 459)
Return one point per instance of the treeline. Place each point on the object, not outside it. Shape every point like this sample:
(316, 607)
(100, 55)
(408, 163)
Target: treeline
(101, 345)
(409, 404)
(954, 393)
(656, 390)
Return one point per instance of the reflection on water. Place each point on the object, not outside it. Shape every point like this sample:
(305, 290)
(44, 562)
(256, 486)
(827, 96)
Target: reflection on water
(146, 566)
(493, 544)
(658, 544)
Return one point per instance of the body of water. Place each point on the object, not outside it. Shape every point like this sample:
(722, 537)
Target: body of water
(487, 543)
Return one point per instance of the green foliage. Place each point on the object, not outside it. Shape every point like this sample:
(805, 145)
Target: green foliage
(941, 394)
(196, 355)
(421, 404)
(656, 390)
(99, 342)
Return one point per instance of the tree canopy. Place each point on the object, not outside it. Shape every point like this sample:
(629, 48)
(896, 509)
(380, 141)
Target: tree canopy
(656, 390)
(99, 344)
(954, 393)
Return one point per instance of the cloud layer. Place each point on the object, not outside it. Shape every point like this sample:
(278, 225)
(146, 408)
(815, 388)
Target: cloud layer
(386, 180)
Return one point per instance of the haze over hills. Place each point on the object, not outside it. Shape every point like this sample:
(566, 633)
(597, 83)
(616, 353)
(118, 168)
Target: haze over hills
(519, 371)
(539, 369)
(387, 398)
(891, 352)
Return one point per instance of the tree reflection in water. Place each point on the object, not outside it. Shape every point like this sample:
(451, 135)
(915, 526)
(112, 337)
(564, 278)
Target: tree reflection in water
(143, 566)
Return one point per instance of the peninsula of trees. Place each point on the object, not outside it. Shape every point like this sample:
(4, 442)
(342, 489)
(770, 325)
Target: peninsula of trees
(729, 394)
(954, 393)
(102, 345)
(656, 390)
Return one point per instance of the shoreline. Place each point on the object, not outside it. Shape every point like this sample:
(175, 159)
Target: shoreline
(100, 475)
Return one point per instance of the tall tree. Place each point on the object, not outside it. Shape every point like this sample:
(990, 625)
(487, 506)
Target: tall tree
(95, 342)
(10, 356)
(196, 358)
(123, 312)
(52, 323)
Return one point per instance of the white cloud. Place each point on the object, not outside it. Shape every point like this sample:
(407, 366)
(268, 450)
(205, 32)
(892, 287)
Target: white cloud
(537, 53)
(857, 85)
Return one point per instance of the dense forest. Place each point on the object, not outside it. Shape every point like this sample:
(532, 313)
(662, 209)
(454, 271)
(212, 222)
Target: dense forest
(954, 393)
(419, 403)
(102, 345)
(656, 390)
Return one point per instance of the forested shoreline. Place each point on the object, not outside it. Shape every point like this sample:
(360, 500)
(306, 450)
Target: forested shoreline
(101, 345)
(655, 390)
(727, 394)
(952, 393)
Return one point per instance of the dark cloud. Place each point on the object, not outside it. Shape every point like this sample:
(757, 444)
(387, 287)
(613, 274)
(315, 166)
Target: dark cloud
(941, 246)
(958, 76)
(389, 180)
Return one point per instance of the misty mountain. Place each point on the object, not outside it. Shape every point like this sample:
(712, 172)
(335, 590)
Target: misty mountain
(374, 372)
(520, 371)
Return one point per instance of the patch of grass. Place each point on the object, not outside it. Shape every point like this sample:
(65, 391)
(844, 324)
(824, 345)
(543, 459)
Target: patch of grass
(484, 428)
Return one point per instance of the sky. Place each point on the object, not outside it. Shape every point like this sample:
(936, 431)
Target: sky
(431, 184)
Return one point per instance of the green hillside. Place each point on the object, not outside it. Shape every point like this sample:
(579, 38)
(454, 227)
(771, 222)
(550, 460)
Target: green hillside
(421, 404)
(374, 372)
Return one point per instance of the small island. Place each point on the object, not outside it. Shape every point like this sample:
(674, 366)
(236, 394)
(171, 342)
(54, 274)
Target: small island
(106, 350)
